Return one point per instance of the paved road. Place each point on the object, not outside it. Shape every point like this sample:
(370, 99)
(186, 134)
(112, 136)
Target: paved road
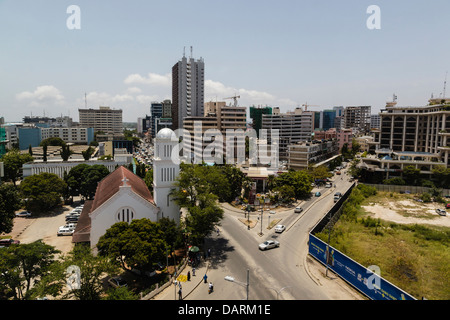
(277, 273)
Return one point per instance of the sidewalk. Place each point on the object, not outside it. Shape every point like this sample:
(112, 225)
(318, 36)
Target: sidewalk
(171, 292)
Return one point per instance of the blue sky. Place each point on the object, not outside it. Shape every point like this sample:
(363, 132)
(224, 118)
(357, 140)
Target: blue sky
(279, 53)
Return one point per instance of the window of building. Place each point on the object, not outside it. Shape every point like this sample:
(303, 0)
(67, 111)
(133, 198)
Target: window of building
(125, 215)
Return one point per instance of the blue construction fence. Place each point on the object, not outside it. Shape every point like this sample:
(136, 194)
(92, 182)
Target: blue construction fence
(368, 282)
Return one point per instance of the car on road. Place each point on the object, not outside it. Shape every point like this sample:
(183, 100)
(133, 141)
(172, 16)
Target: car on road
(337, 196)
(280, 228)
(269, 244)
(64, 232)
(447, 206)
(328, 185)
(298, 210)
(24, 214)
(318, 194)
(441, 212)
(8, 242)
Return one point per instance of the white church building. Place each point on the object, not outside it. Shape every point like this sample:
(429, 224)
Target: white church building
(123, 196)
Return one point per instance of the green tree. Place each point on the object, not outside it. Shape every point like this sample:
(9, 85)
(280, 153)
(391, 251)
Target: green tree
(53, 141)
(87, 153)
(44, 152)
(9, 204)
(148, 179)
(411, 175)
(441, 176)
(22, 266)
(92, 175)
(65, 152)
(42, 191)
(300, 180)
(138, 244)
(83, 179)
(13, 162)
(286, 193)
(91, 272)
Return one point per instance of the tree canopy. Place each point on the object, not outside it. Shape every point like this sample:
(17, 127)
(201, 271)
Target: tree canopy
(13, 161)
(42, 191)
(83, 179)
(9, 204)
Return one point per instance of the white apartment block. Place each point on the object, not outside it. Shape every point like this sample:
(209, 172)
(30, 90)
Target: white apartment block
(74, 135)
(292, 127)
(103, 119)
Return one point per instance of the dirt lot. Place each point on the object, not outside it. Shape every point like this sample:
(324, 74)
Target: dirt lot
(408, 212)
(44, 227)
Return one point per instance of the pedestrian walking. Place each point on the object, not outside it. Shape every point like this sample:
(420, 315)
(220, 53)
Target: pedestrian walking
(188, 276)
(209, 252)
(193, 272)
(205, 278)
(180, 297)
(210, 287)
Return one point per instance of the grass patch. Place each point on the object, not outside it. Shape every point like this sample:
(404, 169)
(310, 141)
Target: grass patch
(415, 258)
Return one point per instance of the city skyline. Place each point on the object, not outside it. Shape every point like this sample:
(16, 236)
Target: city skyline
(283, 53)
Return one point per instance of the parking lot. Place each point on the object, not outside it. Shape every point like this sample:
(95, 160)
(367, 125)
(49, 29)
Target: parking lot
(43, 227)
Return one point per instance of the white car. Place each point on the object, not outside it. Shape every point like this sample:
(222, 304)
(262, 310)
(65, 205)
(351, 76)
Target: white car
(70, 226)
(65, 232)
(280, 228)
(25, 214)
(269, 244)
(298, 210)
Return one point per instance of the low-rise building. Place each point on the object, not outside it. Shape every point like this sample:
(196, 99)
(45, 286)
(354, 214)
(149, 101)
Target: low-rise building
(303, 154)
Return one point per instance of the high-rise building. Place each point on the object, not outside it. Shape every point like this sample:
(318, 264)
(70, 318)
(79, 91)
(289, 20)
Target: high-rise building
(292, 127)
(104, 119)
(357, 117)
(256, 114)
(188, 86)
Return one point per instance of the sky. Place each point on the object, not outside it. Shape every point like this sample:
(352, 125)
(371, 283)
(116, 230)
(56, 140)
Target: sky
(283, 53)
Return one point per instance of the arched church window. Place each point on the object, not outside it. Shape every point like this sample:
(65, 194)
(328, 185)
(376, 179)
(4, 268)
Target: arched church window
(125, 215)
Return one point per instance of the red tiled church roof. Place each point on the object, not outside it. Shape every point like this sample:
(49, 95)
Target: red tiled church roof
(111, 183)
(106, 188)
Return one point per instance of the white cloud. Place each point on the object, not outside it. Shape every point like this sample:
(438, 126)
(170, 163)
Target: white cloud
(42, 95)
(217, 90)
(151, 79)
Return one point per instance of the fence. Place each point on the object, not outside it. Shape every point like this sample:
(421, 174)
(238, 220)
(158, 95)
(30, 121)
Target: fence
(406, 189)
(365, 280)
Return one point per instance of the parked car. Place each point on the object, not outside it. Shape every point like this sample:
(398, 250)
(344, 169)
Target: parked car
(269, 244)
(338, 172)
(447, 206)
(72, 219)
(65, 232)
(8, 242)
(280, 228)
(441, 212)
(328, 185)
(318, 194)
(117, 282)
(71, 226)
(272, 212)
(73, 214)
(24, 214)
(298, 210)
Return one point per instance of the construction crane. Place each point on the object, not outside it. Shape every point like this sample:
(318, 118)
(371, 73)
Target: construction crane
(234, 98)
(306, 105)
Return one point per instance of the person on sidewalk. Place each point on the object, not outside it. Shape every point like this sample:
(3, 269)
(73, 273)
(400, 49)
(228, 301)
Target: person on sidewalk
(189, 276)
(179, 294)
(193, 272)
(210, 287)
(205, 278)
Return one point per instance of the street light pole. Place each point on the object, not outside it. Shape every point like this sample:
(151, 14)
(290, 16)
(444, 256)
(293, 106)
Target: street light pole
(247, 285)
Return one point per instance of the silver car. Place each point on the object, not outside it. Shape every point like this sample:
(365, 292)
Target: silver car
(280, 228)
(269, 244)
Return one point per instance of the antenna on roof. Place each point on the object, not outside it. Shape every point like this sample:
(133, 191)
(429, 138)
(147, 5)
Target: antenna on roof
(184, 51)
(85, 100)
(191, 53)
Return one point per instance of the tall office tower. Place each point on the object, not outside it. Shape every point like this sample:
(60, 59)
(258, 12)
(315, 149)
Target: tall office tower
(357, 117)
(188, 84)
(103, 119)
(292, 127)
